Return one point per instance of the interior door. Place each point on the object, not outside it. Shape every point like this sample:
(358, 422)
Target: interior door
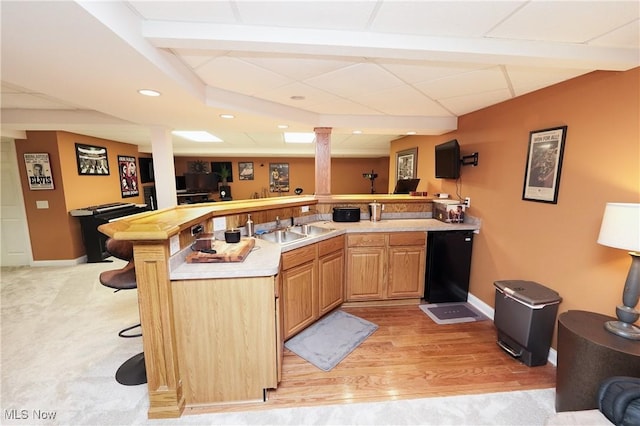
(15, 247)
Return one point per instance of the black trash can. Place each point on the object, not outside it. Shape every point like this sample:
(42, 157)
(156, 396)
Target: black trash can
(525, 316)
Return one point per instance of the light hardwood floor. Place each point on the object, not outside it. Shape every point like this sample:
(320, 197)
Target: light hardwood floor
(409, 356)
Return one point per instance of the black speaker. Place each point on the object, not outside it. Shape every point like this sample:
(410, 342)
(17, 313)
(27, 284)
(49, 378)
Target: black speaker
(225, 193)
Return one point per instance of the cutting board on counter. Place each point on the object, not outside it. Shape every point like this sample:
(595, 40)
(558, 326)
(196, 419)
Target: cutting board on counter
(225, 252)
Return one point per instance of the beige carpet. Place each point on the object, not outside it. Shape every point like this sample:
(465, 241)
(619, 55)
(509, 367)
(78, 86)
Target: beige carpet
(60, 350)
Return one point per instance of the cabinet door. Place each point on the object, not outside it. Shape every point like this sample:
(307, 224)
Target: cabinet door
(366, 268)
(300, 300)
(406, 272)
(331, 288)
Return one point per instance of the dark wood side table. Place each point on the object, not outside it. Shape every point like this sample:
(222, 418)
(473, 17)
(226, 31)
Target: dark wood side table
(588, 354)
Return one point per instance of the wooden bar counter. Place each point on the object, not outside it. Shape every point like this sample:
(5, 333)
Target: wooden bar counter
(215, 338)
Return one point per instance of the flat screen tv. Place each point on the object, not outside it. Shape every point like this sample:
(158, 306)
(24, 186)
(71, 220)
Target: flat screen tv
(201, 182)
(405, 186)
(448, 160)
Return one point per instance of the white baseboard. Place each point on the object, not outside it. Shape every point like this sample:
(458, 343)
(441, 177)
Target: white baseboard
(489, 312)
(65, 262)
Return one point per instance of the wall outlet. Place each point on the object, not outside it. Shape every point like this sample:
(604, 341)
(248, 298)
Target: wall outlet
(219, 223)
(467, 201)
(304, 209)
(196, 229)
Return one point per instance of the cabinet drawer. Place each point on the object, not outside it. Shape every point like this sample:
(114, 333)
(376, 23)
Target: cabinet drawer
(367, 240)
(408, 239)
(330, 245)
(299, 256)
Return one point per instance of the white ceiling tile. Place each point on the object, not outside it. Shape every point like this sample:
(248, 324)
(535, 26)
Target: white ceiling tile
(337, 15)
(343, 106)
(299, 67)
(404, 100)
(625, 36)
(442, 18)
(197, 58)
(28, 101)
(239, 76)
(283, 94)
(525, 79)
(354, 80)
(479, 81)
(187, 11)
(566, 21)
(426, 71)
(465, 104)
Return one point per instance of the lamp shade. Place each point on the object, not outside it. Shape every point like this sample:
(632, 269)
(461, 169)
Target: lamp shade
(621, 226)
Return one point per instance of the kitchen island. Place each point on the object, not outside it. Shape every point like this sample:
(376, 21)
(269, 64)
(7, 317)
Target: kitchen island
(213, 333)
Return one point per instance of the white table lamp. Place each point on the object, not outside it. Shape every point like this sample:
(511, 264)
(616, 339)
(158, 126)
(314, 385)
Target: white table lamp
(621, 229)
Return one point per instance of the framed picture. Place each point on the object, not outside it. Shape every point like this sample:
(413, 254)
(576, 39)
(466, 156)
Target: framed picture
(406, 164)
(128, 176)
(92, 160)
(544, 163)
(245, 171)
(198, 166)
(38, 171)
(279, 177)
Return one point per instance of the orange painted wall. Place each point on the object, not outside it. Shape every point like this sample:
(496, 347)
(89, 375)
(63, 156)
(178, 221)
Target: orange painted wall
(64, 240)
(346, 174)
(553, 244)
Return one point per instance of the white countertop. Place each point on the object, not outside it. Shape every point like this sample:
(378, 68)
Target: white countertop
(264, 259)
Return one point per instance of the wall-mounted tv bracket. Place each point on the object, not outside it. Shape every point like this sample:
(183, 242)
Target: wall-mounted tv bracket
(469, 160)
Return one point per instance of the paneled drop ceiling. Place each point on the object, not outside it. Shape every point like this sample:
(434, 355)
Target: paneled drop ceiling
(383, 68)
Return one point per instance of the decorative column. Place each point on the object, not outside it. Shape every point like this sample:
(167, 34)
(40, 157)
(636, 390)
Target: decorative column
(165, 182)
(323, 160)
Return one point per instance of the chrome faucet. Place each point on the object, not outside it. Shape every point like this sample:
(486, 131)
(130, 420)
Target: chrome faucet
(277, 222)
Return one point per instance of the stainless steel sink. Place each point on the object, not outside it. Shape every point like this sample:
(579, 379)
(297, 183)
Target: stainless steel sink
(282, 236)
(310, 229)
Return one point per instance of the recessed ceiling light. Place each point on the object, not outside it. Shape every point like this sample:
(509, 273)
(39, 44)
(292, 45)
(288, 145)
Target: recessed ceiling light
(197, 135)
(411, 133)
(297, 98)
(227, 116)
(357, 132)
(299, 137)
(149, 92)
(283, 126)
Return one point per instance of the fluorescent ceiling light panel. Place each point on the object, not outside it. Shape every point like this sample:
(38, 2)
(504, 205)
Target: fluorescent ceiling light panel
(299, 137)
(197, 135)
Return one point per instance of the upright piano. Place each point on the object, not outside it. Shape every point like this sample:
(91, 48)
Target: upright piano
(93, 216)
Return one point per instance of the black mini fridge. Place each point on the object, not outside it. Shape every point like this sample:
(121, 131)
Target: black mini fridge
(448, 266)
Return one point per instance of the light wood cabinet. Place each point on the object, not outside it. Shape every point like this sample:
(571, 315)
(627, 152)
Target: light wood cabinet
(226, 333)
(299, 288)
(312, 283)
(384, 266)
(331, 274)
(407, 260)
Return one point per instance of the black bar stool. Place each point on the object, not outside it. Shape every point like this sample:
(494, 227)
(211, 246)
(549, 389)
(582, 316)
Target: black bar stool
(132, 371)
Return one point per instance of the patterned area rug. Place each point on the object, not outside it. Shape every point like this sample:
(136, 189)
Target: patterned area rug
(330, 340)
(452, 313)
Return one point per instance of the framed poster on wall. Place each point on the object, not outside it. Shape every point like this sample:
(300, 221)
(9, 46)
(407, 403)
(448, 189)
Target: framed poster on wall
(279, 177)
(406, 164)
(92, 160)
(38, 171)
(128, 176)
(544, 164)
